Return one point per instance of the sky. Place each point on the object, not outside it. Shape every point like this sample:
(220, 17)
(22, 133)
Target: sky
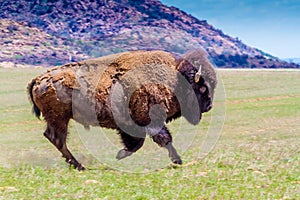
(271, 26)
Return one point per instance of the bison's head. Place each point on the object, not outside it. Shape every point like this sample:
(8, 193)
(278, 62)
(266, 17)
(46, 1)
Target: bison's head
(204, 93)
(199, 72)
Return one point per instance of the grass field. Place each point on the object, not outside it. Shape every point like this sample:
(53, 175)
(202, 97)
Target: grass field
(256, 157)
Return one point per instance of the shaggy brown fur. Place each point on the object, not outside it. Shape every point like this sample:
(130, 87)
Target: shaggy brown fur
(82, 91)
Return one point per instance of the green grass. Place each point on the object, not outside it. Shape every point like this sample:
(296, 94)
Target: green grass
(256, 157)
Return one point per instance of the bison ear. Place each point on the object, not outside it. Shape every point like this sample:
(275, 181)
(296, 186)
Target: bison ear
(198, 74)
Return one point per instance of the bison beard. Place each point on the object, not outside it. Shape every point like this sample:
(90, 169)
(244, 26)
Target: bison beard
(53, 94)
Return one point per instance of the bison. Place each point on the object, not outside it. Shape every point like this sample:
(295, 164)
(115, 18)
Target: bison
(135, 93)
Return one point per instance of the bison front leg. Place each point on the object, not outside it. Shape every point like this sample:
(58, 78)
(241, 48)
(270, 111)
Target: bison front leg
(131, 144)
(164, 139)
(56, 133)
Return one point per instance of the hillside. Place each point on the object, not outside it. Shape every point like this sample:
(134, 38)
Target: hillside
(28, 45)
(92, 28)
(292, 60)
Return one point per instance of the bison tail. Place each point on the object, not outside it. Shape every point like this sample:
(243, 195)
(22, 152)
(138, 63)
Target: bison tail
(35, 109)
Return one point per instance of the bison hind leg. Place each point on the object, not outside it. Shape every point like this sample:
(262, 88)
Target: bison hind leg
(131, 144)
(56, 133)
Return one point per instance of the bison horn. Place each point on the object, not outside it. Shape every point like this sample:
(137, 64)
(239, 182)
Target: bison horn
(198, 74)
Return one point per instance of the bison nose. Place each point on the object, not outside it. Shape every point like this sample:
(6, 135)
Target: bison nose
(209, 107)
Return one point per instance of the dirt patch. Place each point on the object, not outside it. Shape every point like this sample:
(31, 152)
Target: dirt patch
(262, 99)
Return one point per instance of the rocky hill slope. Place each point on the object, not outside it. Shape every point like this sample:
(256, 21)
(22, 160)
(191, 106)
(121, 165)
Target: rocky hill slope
(52, 32)
(27, 45)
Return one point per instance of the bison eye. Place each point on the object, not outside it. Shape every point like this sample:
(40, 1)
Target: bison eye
(203, 89)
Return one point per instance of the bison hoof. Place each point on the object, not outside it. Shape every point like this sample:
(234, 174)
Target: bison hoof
(177, 161)
(80, 168)
(123, 153)
(75, 164)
